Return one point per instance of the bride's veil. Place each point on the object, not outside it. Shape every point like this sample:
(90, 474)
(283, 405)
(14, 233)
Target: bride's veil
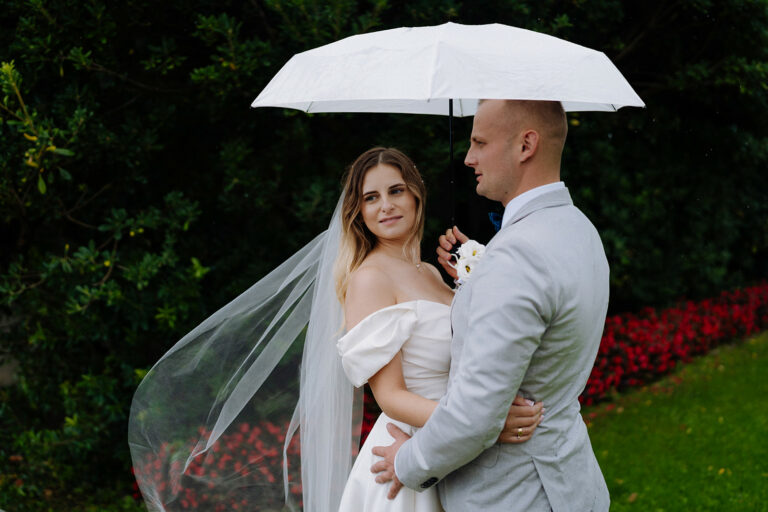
(252, 410)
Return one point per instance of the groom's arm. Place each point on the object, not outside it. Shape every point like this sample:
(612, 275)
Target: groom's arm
(511, 304)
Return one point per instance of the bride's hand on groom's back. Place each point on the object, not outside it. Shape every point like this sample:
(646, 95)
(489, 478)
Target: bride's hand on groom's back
(522, 419)
(446, 243)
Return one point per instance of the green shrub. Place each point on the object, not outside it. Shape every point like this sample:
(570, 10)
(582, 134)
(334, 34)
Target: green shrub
(138, 193)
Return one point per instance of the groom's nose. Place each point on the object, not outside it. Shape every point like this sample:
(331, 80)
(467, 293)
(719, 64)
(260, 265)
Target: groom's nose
(470, 160)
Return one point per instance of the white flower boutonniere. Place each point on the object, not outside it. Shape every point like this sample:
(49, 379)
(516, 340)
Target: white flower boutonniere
(468, 256)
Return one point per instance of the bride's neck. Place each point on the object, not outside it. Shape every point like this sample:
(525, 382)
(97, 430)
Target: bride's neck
(394, 249)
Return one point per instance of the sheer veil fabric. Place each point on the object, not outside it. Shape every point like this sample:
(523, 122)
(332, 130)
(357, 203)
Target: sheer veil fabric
(221, 421)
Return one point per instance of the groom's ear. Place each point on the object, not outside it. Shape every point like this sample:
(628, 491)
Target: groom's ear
(530, 144)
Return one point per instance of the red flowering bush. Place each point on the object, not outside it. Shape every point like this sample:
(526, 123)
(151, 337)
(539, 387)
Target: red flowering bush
(635, 349)
(638, 348)
(243, 463)
(371, 412)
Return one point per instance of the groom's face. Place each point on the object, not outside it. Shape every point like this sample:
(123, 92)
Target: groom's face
(491, 152)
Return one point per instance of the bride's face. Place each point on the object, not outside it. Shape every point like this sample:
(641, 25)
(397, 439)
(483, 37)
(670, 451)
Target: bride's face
(388, 206)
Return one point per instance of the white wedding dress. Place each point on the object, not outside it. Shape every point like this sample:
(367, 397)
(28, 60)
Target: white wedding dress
(421, 331)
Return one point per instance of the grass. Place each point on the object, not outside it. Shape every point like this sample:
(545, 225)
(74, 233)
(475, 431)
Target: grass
(696, 440)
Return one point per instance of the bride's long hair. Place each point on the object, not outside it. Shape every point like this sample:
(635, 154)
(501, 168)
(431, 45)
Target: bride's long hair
(357, 241)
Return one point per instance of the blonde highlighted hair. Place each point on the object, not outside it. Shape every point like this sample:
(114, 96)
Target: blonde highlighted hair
(357, 241)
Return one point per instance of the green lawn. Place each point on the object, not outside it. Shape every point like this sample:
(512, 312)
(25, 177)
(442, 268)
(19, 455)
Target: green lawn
(696, 440)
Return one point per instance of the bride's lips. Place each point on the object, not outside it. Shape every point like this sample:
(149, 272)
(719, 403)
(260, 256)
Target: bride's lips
(390, 220)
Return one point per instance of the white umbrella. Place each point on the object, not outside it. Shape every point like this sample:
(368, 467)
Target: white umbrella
(424, 70)
(419, 70)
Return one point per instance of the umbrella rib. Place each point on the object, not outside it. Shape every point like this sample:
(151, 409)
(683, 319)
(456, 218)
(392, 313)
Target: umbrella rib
(432, 75)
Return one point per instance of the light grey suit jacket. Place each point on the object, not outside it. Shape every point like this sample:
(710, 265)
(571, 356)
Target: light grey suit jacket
(530, 318)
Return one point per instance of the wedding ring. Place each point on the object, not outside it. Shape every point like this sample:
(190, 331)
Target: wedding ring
(519, 431)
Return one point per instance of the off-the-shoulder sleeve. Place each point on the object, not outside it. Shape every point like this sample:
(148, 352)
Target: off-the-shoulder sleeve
(373, 343)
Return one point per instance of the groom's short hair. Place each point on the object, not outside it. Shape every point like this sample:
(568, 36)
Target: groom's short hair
(546, 117)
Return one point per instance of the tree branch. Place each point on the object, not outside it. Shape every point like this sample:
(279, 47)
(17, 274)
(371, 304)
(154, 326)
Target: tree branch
(110, 268)
(80, 203)
(92, 66)
(14, 114)
(664, 12)
(263, 18)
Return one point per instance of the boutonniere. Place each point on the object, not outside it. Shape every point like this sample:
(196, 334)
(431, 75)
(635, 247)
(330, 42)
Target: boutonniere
(467, 257)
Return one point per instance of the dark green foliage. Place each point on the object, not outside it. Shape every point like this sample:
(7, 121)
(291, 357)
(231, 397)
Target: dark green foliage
(138, 192)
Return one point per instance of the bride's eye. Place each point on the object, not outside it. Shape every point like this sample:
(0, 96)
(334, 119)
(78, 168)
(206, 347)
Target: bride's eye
(369, 198)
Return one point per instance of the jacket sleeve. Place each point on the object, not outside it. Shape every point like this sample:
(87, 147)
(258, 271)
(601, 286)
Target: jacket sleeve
(512, 301)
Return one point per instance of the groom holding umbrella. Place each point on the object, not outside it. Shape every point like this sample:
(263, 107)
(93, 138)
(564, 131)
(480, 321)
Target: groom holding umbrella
(531, 316)
(528, 320)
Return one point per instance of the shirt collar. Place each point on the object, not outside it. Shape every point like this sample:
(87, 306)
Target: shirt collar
(518, 202)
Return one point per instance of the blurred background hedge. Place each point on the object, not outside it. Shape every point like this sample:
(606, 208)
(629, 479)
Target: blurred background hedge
(139, 193)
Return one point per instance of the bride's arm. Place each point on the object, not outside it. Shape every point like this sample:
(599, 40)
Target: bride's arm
(388, 386)
(370, 290)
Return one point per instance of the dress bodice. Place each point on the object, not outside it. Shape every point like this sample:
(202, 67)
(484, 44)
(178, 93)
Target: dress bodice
(419, 329)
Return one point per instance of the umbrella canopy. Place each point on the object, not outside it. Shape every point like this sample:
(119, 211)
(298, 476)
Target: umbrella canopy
(419, 70)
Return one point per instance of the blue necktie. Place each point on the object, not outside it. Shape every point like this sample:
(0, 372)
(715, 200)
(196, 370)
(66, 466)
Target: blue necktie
(495, 220)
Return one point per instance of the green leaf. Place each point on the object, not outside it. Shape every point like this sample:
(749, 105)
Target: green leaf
(63, 152)
(198, 270)
(41, 184)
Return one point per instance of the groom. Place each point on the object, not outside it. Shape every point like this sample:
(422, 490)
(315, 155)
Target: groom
(529, 319)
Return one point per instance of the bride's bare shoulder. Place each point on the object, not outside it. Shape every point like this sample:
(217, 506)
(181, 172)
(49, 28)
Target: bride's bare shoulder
(432, 269)
(368, 274)
(369, 289)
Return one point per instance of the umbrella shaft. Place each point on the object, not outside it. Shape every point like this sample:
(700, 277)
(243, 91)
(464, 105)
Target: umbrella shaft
(452, 192)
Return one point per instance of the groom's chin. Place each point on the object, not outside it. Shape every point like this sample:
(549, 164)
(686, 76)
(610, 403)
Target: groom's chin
(479, 190)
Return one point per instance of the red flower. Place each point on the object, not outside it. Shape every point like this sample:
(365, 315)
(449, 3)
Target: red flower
(637, 348)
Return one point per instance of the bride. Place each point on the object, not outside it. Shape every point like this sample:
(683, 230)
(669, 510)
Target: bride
(202, 418)
(397, 316)
(396, 312)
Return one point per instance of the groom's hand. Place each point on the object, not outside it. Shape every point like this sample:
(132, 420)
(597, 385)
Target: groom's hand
(386, 468)
(522, 419)
(445, 246)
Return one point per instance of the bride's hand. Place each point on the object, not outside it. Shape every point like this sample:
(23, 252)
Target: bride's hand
(445, 245)
(523, 418)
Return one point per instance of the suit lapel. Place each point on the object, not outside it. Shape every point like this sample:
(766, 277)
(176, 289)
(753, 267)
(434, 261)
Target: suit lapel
(560, 197)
